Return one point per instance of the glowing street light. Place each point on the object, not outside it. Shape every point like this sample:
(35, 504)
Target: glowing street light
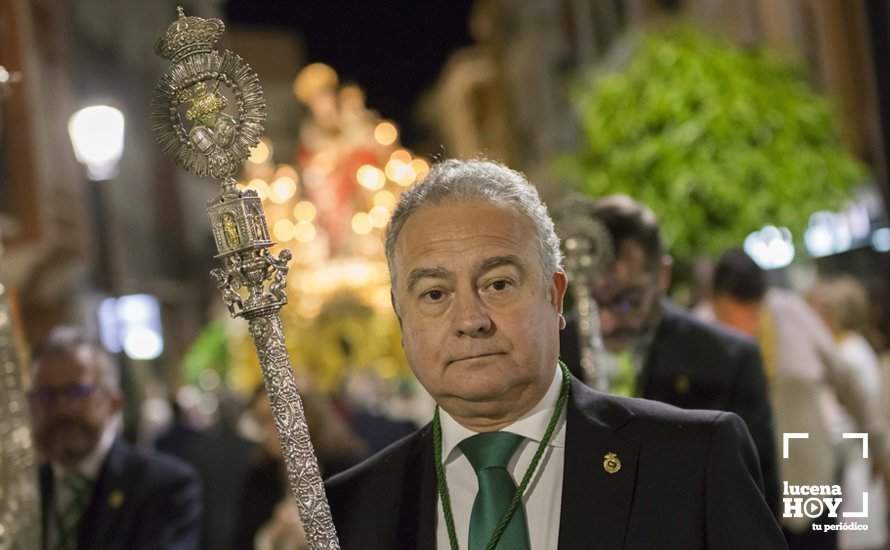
(97, 135)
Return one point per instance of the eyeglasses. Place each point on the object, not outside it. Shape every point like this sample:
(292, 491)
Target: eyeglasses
(71, 393)
(627, 304)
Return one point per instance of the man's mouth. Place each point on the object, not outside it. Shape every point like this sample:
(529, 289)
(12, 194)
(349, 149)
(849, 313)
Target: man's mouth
(475, 356)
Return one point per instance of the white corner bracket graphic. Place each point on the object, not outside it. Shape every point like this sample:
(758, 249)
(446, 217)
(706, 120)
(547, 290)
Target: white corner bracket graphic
(864, 437)
(859, 435)
(791, 435)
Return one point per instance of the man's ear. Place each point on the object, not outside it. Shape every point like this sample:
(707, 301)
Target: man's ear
(395, 308)
(665, 270)
(115, 401)
(558, 290)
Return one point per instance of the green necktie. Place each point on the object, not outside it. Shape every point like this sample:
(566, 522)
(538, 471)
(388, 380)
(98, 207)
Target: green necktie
(78, 487)
(489, 454)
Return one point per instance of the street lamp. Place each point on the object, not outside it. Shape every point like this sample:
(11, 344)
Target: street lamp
(97, 136)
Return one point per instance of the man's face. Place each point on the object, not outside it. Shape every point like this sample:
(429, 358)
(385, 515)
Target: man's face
(480, 324)
(742, 316)
(628, 296)
(69, 409)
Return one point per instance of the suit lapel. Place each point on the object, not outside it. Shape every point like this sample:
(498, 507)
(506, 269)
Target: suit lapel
(416, 527)
(107, 502)
(596, 503)
(651, 364)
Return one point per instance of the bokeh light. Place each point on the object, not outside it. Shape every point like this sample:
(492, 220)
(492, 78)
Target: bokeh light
(384, 198)
(283, 189)
(283, 230)
(379, 216)
(261, 153)
(386, 133)
(305, 211)
(260, 186)
(370, 177)
(304, 231)
(361, 223)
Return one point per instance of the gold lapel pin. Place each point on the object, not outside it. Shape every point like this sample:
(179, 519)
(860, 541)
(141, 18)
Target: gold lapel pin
(681, 384)
(611, 463)
(116, 498)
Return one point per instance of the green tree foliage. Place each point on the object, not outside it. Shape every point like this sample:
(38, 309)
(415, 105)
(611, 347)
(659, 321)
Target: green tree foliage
(717, 140)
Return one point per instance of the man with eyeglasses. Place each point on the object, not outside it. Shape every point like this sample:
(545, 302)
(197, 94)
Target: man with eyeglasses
(97, 492)
(656, 350)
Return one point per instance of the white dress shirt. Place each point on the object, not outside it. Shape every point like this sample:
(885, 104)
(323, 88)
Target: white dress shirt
(542, 498)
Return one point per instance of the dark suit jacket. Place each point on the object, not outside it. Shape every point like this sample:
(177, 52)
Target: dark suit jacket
(140, 501)
(694, 365)
(689, 480)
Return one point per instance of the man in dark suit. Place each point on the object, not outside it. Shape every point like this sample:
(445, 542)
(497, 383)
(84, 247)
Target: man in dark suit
(520, 455)
(97, 492)
(662, 353)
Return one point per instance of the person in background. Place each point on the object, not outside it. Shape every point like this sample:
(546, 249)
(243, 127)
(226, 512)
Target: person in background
(97, 492)
(658, 351)
(802, 365)
(265, 485)
(219, 454)
(841, 302)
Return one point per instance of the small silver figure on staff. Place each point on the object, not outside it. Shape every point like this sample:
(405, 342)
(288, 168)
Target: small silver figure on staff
(588, 251)
(192, 123)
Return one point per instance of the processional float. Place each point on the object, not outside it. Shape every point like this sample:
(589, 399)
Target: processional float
(19, 499)
(192, 123)
(588, 250)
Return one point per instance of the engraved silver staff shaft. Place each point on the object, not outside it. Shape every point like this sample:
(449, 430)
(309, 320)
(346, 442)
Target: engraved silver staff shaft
(191, 123)
(588, 251)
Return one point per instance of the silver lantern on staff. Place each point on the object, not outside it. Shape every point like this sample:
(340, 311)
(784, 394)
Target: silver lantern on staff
(588, 250)
(209, 111)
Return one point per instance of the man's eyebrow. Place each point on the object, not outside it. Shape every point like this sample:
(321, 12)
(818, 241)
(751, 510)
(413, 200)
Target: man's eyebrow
(423, 272)
(498, 261)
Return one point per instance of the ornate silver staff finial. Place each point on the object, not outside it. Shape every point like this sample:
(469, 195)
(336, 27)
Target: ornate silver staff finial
(193, 124)
(588, 251)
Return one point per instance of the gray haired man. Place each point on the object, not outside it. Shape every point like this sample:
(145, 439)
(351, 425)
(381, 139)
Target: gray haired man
(520, 455)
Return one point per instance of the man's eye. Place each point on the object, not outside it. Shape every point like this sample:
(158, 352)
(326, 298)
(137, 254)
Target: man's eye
(433, 295)
(500, 285)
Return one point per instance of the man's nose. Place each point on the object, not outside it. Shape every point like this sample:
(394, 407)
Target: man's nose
(471, 315)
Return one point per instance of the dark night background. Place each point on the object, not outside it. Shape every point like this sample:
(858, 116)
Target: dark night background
(394, 50)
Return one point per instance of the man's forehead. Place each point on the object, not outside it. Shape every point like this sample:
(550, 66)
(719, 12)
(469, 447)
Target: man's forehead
(74, 364)
(478, 265)
(630, 267)
(461, 225)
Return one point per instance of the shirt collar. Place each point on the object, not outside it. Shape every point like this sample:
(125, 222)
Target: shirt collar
(531, 426)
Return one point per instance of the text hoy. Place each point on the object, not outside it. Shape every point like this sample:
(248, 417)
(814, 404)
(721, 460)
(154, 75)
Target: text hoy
(817, 500)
